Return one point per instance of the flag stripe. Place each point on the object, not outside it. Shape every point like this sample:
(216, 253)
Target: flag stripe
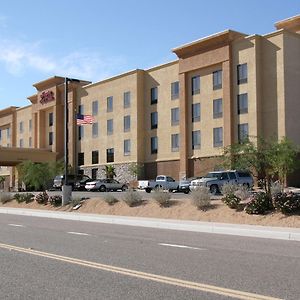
(84, 119)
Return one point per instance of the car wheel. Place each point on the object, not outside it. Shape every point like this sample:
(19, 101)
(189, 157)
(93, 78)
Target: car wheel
(102, 188)
(148, 190)
(214, 189)
(124, 188)
(186, 191)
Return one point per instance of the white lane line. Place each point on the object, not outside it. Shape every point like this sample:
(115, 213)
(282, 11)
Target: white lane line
(16, 225)
(77, 233)
(180, 246)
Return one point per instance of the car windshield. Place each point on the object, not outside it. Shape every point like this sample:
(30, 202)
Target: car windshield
(213, 175)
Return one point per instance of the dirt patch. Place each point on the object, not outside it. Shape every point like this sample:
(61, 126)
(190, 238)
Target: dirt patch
(182, 210)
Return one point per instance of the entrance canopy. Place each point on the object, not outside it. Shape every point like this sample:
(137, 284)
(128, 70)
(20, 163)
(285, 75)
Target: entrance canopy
(12, 156)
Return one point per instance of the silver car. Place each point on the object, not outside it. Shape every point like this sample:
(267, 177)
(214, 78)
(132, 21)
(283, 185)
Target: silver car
(104, 185)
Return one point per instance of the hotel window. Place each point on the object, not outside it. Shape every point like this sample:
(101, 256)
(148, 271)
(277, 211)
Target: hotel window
(95, 157)
(217, 80)
(242, 132)
(94, 173)
(127, 147)
(80, 132)
(242, 104)
(95, 130)
(242, 73)
(154, 120)
(154, 144)
(196, 112)
(30, 125)
(110, 155)
(109, 104)
(218, 137)
(175, 116)
(174, 90)
(195, 85)
(21, 127)
(175, 142)
(154, 95)
(21, 143)
(95, 108)
(30, 142)
(217, 108)
(50, 138)
(110, 127)
(126, 99)
(126, 123)
(196, 139)
(80, 158)
(50, 119)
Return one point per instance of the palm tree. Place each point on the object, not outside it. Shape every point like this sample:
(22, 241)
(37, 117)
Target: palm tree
(110, 171)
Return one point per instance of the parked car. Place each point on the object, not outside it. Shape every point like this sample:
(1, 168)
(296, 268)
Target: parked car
(215, 180)
(104, 185)
(59, 180)
(80, 184)
(167, 183)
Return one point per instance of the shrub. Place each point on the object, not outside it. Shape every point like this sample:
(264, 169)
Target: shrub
(75, 201)
(18, 198)
(228, 188)
(26, 197)
(110, 199)
(201, 197)
(276, 188)
(242, 192)
(161, 197)
(232, 201)
(55, 200)
(132, 198)
(41, 198)
(5, 197)
(259, 204)
(286, 203)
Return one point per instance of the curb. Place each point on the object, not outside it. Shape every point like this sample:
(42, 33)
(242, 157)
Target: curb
(281, 233)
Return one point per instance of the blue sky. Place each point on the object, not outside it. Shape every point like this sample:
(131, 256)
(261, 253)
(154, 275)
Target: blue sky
(93, 40)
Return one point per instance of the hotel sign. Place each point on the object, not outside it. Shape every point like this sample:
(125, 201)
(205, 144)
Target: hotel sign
(46, 96)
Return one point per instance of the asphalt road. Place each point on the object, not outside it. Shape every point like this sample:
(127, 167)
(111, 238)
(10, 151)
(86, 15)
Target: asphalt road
(44, 258)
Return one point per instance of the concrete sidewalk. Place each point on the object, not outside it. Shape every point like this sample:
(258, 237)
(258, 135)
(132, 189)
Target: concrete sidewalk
(282, 233)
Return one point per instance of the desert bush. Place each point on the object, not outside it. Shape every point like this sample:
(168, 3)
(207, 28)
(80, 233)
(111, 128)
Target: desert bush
(228, 188)
(242, 192)
(201, 197)
(276, 188)
(286, 203)
(41, 198)
(110, 199)
(75, 201)
(5, 197)
(232, 201)
(259, 204)
(132, 198)
(26, 197)
(55, 200)
(162, 197)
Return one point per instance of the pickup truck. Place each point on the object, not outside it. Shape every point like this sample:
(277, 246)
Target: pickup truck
(215, 180)
(168, 183)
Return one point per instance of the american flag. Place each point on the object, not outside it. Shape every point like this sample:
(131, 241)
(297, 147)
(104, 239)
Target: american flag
(84, 119)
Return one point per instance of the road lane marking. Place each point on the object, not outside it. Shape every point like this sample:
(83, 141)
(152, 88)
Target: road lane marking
(77, 233)
(148, 276)
(16, 225)
(180, 246)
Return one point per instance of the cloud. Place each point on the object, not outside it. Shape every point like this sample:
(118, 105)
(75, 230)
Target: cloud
(19, 58)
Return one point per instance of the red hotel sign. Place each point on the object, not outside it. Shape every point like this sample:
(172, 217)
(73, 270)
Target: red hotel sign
(46, 97)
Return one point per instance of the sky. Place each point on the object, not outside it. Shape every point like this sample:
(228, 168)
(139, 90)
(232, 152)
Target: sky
(96, 39)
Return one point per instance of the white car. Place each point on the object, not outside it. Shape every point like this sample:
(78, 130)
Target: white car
(103, 185)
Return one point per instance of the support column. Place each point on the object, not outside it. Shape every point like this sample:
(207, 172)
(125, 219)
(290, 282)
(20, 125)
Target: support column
(184, 136)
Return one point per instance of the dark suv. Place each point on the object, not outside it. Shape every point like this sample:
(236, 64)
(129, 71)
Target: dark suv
(76, 181)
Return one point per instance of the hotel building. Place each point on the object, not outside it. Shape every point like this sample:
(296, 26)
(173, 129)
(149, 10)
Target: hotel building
(174, 118)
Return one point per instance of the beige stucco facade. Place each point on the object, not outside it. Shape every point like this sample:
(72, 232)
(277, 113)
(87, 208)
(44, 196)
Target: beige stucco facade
(263, 98)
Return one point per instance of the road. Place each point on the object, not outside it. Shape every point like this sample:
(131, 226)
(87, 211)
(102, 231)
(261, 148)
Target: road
(44, 258)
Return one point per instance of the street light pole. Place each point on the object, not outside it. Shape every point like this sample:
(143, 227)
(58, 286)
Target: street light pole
(66, 189)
